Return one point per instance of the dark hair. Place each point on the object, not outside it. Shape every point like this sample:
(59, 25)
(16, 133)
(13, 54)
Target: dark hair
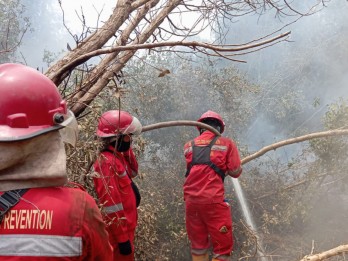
(213, 123)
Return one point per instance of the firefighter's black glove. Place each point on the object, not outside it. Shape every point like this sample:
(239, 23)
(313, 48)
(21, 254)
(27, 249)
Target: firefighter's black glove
(125, 248)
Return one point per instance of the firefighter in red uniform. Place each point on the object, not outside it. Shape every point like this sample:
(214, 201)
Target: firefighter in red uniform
(40, 218)
(114, 170)
(209, 159)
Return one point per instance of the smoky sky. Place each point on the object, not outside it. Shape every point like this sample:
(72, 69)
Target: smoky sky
(315, 52)
(48, 32)
(313, 62)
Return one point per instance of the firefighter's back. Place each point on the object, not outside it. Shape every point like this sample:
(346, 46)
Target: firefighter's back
(56, 223)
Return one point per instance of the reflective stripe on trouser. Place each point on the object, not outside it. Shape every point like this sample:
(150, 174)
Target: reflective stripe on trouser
(204, 257)
(209, 224)
(199, 252)
(40, 245)
(222, 258)
(114, 208)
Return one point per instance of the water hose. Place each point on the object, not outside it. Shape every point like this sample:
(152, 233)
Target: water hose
(166, 124)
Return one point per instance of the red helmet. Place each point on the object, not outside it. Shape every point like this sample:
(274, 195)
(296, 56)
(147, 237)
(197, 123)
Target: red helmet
(115, 122)
(213, 115)
(30, 104)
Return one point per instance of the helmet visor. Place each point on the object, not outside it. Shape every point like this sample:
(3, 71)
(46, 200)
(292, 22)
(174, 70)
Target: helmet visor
(69, 133)
(134, 128)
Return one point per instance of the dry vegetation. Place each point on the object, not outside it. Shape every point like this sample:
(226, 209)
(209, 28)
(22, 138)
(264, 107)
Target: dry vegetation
(300, 205)
(283, 198)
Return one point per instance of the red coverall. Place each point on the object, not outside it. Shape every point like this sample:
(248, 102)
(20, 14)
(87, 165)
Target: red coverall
(206, 212)
(56, 223)
(113, 187)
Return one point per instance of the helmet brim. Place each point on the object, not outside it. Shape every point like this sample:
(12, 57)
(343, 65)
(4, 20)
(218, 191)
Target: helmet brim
(8, 134)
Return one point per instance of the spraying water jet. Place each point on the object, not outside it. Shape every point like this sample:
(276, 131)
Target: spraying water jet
(248, 217)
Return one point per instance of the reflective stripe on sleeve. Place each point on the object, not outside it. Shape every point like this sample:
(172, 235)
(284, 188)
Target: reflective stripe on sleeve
(113, 208)
(122, 175)
(219, 147)
(189, 149)
(40, 245)
(234, 172)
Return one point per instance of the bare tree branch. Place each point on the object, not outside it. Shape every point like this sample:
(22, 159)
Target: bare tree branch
(5, 46)
(143, 24)
(277, 145)
(124, 57)
(95, 77)
(134, 47)
(94, 41)
(327, 254)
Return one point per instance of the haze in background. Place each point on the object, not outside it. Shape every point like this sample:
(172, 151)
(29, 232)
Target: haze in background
(49, 32)
(313, 65)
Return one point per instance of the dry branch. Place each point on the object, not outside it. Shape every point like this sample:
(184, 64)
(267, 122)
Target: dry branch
(5, 42)
(217, 48)
(94, 41)
(277, 145)
(327, 254)
(136, 25)
(99, 78)
(125, 56)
